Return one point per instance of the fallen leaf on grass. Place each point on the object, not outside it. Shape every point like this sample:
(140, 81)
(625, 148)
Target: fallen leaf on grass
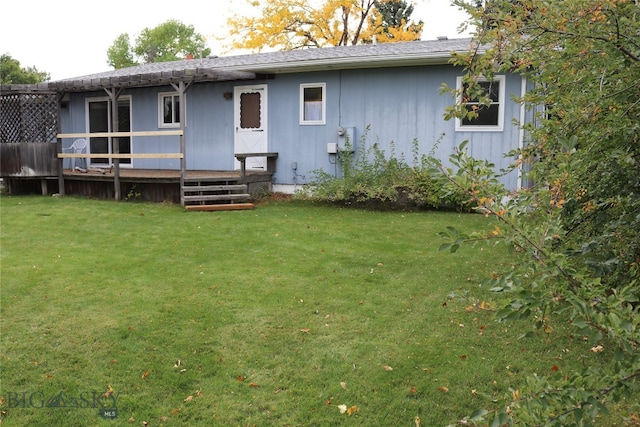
(109, 392)
(417, 420)
(387, 368)
(352, 409)
(145, 374)
(253, 385)
(342, 408)
(305, 330)
(240, 378)
(343, 385)
(555, 368)
(175, 411)
(443, 389)
(188, 399)
(597, 349)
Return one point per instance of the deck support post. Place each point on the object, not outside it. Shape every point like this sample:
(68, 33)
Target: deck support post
(59, 146)
(181, 88)
(114, 142)
(60, 168)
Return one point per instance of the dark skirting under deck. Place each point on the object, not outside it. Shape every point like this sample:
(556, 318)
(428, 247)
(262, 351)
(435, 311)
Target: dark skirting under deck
(154, 185)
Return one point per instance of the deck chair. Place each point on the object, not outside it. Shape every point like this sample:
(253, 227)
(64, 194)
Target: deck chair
(78, 146)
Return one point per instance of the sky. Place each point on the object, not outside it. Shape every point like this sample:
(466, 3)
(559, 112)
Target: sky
(70, 38)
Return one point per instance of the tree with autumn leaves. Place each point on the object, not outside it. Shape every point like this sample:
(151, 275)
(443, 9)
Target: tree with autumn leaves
(294, 24)
(576, 227)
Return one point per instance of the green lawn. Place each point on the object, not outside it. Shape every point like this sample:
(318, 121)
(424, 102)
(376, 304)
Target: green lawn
(271, 317)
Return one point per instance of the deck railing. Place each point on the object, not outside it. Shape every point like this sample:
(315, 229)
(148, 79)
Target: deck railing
(118, 156)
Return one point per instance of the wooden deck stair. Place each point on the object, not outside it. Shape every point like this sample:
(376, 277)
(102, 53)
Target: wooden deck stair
(215, 194)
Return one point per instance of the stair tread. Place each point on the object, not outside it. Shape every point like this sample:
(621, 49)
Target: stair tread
(220, 207)
(216, 197)
(234, 180)
(233, 187)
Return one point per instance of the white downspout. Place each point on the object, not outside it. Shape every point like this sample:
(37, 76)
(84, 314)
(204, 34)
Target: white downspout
(523, 91)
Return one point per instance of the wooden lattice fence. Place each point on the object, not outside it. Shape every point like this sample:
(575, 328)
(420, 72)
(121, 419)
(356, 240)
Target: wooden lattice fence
(28, 128)
(27, 114)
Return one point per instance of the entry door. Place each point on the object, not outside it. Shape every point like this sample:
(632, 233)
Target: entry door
(250, 103)
(99, 120)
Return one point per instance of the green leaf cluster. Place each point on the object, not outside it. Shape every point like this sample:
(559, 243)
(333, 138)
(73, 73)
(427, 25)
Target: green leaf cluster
(169, 41)
(575, 227)
(370, 177)
(11, 72)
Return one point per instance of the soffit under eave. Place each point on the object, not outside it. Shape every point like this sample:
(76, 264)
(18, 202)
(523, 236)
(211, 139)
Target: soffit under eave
(148, 80)
(284, 68)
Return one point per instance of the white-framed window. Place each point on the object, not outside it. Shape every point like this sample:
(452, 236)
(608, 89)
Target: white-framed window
(168, 110)
(490, 117)
(313, 103)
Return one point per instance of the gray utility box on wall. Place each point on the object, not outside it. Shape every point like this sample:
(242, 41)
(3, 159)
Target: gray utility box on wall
(346, 135)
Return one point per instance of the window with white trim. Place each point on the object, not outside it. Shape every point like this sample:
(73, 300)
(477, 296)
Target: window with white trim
(313, 103)
(168, 110)
(489, 117)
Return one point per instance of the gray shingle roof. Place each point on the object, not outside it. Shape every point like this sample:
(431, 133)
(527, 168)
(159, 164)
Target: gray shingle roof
(239, 67)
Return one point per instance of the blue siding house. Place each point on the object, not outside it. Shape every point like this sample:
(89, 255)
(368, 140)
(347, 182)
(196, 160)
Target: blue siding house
(303, 105)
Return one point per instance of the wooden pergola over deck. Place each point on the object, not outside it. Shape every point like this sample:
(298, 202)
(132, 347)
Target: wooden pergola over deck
(148, 75)
(29, 157)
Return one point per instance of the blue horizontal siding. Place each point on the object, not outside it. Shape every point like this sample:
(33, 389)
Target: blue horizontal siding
(397, 106)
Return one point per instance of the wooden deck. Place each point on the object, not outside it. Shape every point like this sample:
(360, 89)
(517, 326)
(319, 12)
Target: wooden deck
(202, 190)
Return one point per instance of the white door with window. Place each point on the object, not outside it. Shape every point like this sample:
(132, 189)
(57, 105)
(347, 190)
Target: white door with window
(250, 105)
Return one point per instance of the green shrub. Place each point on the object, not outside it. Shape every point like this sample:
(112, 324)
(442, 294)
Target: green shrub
(371, 177)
